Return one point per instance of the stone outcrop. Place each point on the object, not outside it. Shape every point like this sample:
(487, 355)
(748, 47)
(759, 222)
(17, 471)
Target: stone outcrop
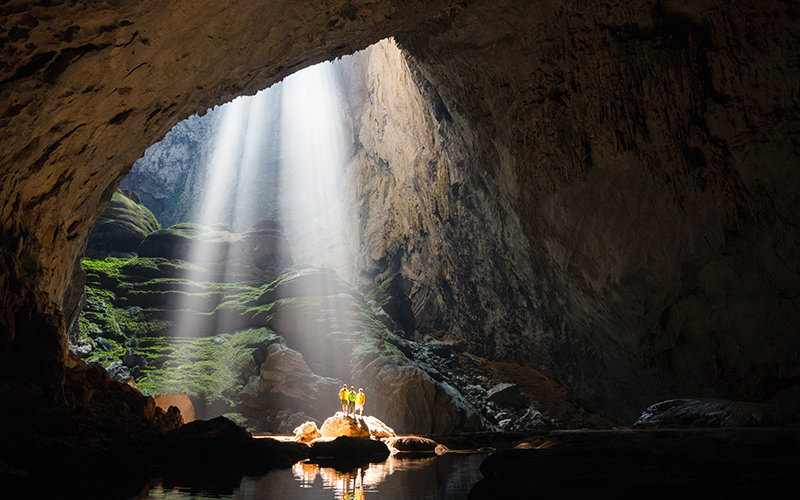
(606, 194)
(411, 443)
(121, 227)
(179, 400)
(714, 413)
(342, 424)
(644, 229)
(306, 432)
(285, 381)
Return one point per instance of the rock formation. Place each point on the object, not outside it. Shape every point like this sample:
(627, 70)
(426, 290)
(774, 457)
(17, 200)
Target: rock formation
(411, 444)
(607, 194)
(306, 432)
(356, 426)
(121, 227)
(180, 401)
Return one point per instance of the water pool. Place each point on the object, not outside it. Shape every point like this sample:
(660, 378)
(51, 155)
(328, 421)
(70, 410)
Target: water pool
(448, 476)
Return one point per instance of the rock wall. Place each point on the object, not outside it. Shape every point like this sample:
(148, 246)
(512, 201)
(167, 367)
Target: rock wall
(647, 153)
(605, 192)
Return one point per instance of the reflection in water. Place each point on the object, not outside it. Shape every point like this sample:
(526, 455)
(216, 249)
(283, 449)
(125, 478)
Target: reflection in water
(448, 476)
(435, 477)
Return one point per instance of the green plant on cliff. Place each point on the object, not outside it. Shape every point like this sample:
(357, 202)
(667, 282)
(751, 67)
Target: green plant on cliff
(208, 368)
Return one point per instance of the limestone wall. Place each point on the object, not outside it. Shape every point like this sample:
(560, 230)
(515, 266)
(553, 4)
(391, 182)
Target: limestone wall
(605, 191)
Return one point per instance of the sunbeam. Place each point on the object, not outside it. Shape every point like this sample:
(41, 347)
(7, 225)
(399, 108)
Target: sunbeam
(312, 139)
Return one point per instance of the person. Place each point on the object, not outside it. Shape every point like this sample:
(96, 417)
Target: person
(351, 399)
(343, 398)
(360, 398)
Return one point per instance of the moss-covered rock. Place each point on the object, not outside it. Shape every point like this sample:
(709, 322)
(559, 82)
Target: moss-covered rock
(121, 227)
(260, 253)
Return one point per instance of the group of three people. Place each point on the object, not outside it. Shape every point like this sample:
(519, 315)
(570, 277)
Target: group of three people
(352, 401)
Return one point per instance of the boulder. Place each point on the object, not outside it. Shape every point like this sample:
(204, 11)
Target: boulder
(342, 424)
(714, 413)
(348, 449)
(285, 379)
(377, 429)
(179, 400)
(217, 429)
(119, 372)
(307, 432)
(133, 359)
(508, 395)
(412, 444)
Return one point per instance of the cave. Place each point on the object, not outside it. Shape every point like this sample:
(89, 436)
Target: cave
(605, 194)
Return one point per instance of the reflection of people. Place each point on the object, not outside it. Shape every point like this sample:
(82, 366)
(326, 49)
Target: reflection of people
(351, 399)
(360, 398)
(343, 397)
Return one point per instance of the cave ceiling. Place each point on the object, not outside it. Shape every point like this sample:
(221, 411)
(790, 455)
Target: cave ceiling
(640, 161)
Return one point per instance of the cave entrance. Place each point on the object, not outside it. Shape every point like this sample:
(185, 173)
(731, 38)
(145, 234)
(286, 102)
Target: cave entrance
(218, 274)
(296, 256)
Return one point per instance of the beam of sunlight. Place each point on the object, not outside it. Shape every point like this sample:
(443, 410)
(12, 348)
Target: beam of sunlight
(296, 124)
(312, 141)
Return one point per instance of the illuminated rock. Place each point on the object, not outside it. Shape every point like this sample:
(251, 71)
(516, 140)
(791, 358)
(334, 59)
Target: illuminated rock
(307, 432)
(179, 400)
(413, 444)
(342, 424)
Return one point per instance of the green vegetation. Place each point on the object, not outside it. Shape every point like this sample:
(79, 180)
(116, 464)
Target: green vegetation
(208, 368)
(136, 303)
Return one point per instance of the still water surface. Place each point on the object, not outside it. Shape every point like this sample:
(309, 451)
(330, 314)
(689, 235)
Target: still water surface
(448, 476)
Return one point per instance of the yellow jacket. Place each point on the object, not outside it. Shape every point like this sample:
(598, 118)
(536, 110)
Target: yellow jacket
(360, 398)
(343, 393)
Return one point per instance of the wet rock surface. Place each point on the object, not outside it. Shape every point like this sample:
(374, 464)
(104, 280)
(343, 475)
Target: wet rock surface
(710, 463)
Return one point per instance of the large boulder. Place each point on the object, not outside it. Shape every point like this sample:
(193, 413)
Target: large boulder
(413, 444)
(377, 429)
(507, 394)
(285, 380)
(342, 424)
(306, 432)
(714, 413)
(218, 429)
